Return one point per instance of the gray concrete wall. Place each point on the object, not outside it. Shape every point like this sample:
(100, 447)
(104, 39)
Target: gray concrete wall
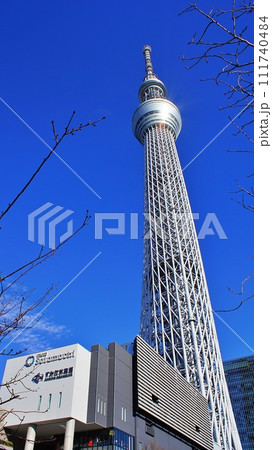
(98, 405)
(160, 440)
(121, 389)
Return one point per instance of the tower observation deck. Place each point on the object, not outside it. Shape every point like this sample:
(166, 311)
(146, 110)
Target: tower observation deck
(176, 314)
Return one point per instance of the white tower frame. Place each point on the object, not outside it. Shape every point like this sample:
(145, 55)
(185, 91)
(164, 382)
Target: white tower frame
(176, 317)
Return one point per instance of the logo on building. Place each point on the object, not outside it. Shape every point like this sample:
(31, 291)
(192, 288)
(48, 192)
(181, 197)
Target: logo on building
(53, 375)
(46, 216)
(43, 358)
(37, 378)
(29, 361)
(58, 374)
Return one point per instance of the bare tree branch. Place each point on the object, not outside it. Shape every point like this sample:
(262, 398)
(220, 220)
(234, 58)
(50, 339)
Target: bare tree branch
(241, 292)
(66, 132)
(211, 16)
(42, 257)
(231, 48)
(237, 307)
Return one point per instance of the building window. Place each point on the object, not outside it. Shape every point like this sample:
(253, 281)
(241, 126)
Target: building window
(155, 399)
(39, 403)
(49, 401)
(104, 439)
(149, 429)
(101, 406)
(124, 413)
(59, 399)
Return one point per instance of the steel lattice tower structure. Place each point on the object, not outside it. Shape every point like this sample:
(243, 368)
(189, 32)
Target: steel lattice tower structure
(176, 316)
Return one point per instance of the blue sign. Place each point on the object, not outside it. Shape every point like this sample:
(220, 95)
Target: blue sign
(53, 375)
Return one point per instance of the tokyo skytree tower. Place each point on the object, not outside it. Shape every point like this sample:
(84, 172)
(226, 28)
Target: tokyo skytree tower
(176, 316)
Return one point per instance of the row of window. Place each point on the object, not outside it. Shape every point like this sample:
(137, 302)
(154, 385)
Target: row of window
(102, 409)
(101, 406)
(49, 401)
(106, 439)
(124, 413)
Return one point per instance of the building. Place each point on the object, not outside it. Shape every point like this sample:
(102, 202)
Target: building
(176, 316)
(70, 398)
(240, 378)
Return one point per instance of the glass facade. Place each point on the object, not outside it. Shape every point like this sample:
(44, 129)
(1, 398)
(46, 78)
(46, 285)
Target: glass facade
(106, 439)
(240, 379)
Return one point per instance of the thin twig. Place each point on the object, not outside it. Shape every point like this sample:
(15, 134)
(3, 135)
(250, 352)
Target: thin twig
(58, 141)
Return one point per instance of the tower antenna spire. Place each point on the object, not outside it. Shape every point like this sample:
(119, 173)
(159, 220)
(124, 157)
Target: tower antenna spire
(148, 62)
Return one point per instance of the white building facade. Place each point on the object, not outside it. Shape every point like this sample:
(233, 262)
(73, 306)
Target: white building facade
(69, 398)
(52, 387)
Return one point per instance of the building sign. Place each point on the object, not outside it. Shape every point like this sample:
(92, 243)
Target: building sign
(53, 375)
(42, 358)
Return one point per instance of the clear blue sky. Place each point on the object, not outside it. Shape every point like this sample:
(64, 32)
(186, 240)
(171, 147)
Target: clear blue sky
(87, 56)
